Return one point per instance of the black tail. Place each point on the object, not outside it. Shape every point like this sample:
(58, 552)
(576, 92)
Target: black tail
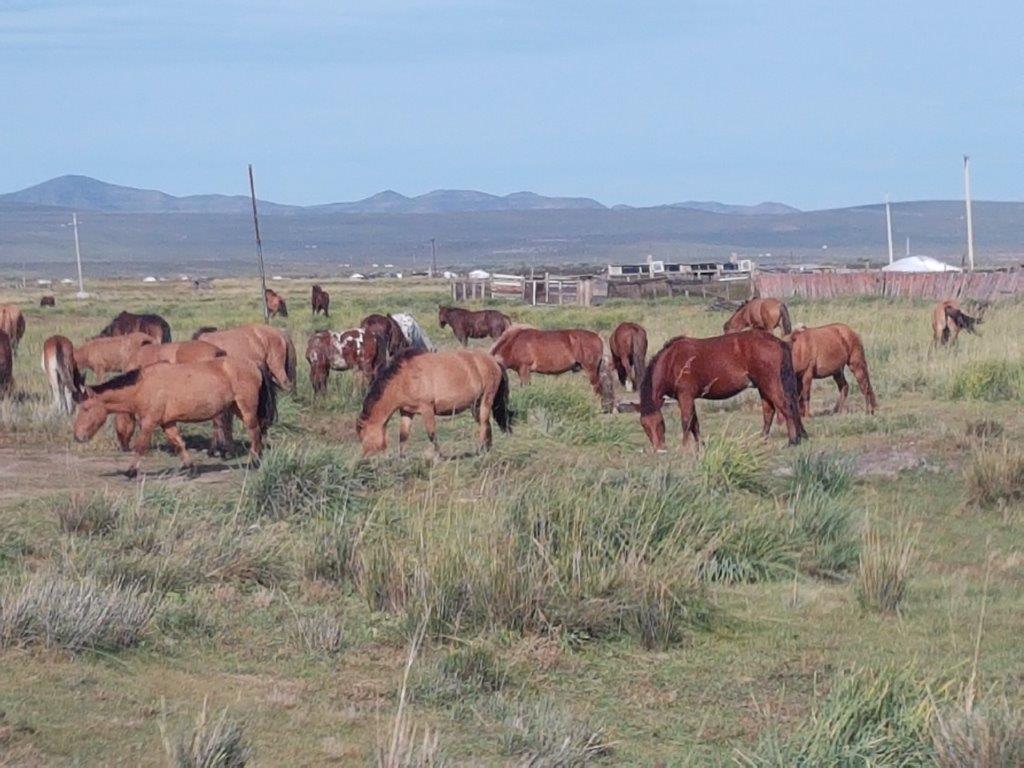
(165, 331)
(787, 325)
(503, 415)
(638, 359)
(963, 321)
(290, 362)
(791, 388)
(266, 407)
(648, 402)
(283, 311)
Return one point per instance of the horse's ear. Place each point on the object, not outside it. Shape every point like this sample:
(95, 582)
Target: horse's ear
(82, 394)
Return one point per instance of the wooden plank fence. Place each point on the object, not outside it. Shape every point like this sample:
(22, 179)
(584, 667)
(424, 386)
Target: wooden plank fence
(979, 286)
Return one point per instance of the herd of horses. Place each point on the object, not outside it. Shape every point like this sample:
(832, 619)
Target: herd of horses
(221, 374)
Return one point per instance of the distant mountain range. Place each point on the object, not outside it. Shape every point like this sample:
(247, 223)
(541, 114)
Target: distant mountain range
(87, 194)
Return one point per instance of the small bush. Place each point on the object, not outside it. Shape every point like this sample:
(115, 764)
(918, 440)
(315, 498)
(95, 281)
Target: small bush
(990, 380)
(823, 471)
(730, 464)
(995, 476)
(541, 735)
(989, 736)
(884, 571)
(218, 743)
(93, 515)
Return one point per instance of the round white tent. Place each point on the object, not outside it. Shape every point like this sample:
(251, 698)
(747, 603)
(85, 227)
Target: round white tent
(920, 264)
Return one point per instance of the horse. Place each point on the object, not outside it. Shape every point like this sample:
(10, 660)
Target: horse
(354, 349)
(61, 371)
(430, 384)
(530, 350)
(628, 346)
(825, 351)
(126, 322)
(164, 394)
(109, 354)
(467, 324)
(192, 351)
(716, 369)
(47, 301)
(414, 334)
(12, 322)
(275, 303)
(948, 320)
(259, 343)
(6, 364)
(388, 329)
(762, 314)
(320, 300)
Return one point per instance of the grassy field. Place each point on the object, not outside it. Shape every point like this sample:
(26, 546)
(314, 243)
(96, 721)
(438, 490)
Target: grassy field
(567, 598)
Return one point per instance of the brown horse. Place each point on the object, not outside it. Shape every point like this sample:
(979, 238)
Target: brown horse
(825, 351)
(466, 324)
(762, 314)
(47, 301)
(530, 350)
(165, 394)
(61, 371)
(12, 322)
(260, 344)
(192, 351)
(275, 303)
(320, 300)
(389, 330)
(126, 323)
(6, 364)
(430, 384)
(628, 345)
(948, 320)
(716, 369)
(110, 354)
(356, 349)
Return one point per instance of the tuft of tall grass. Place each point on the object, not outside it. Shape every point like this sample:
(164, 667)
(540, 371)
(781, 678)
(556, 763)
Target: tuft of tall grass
(987, 736)
(994, 476)
(210, 743)
(300, 480)
(829, 541)
(88, 515)
(756, 548)
(466, 671)
(323, 633)
(729, 463)
(542, 735)
(884, 571)
(823, 471)
(990, 380)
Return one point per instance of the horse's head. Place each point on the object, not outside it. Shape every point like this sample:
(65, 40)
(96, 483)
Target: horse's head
(736, 322)
(372, 436)
(346, 349)
(90, 416)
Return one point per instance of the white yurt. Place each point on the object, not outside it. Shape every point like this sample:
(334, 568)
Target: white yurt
(920, 264)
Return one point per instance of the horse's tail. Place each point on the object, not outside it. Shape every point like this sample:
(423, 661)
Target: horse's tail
(500, 408)
(791, 388)
(290, 361)
(165, 331)
(963, 321)
(787, 325)
(266, 407)
(282, 309)
(638, 358)
(649, 401)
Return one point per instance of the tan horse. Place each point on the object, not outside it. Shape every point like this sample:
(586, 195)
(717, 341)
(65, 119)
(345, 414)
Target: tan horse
(12, 322)
(61, 372)
(429, 384)
(826, 351)
(111, 354)
(193, 351)
(165, 394)
(275, 303)
(948, 320)
(260, 344)
(760, 314)
(628, 345)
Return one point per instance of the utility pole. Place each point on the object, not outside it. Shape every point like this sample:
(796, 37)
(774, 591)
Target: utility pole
(78, 258)
(259, 248)
(967, 202)
(908, 246)
(433, 257)
(888, 226)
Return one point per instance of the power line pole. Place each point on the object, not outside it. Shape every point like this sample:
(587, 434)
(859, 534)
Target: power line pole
(433, 257)
(78, 258)
(967, 202)
(259, 248)
(888, 226)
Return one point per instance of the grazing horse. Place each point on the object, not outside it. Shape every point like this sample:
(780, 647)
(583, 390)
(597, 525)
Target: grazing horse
(164, 394)
(47, 301)
(320, 300)
(948, 320)
(431, 384)
(12, 322)
(762, 314)
(355, 349)
(259, 343)
(467, 324)
(126, 322)
(61, 371)
(388, 329)
(275, 303)
(628, 345)
(6, 364)
(716, 369)
(110, 354)
(530, 350)
(825, 351)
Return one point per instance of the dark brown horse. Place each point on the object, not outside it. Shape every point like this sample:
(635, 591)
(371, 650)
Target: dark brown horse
(948, 320)
(357, 349)
(47, 301)
(126, 322)
(12, 322)
(628, 345)
(275, 303)
(467, 324)
(761, 314)
(61, 372)
(716, 369)
(6, 364)
(389, 330)
(320, 301)
(825, 351)
(530, 350)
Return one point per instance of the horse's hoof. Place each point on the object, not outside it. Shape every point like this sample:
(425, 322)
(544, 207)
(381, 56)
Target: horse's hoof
(190, 470)
(131, 473)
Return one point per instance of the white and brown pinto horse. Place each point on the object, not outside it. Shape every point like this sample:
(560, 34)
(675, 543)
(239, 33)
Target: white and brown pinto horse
(357, 349)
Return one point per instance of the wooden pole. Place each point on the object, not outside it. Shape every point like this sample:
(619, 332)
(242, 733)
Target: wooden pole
(78, 257)
(433, 257)
(888, 226)
(259, 248)
(967, 202)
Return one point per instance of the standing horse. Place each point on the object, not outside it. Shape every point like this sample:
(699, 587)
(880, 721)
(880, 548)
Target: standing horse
(466, 324)
(530, 350)
(6, 364)
(61, 372)
(259, 343)
(431, 384)
(126, 323)
(389, 330)
(628, 345)
(110, 354)
(948, 320)
(825, 351)
(761, 314)
(47, 301)
(165, 394)
(12, 322)
(355, 349)
(275, 303)
(716, 369)
(320, 301)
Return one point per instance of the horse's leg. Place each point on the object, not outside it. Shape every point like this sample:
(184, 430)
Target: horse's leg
(463, 337)
(124, 428)
(251, 421)
(483, 417)
(768, 416)
(524, 373)
(178, 443)
(430, 424)
(688, 419)
(404, 427)
(142, 442)
(695, 428)
(844, 390)
(806, 383)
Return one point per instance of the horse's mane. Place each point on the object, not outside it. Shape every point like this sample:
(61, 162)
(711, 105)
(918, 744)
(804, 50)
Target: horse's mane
(128, 379)
(383, 377)
(647, 399)
(204, 329)
(670, 341)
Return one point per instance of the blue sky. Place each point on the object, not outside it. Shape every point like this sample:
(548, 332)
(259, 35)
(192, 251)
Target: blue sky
(815, 104)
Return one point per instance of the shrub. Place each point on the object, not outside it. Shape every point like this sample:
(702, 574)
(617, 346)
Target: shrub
(989, 380)
(884, 570)
(995, 476)
(218, 743)
(542, 735)
(823, 471)
(92, 515)
(989, 736)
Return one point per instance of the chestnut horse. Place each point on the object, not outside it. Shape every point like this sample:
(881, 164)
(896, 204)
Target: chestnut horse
(467, 324)
(716, 369)
(389, 330)
(530, 350)
(164, 394)
(110, 354)
(320, 301)
(948, 320)
(12, 322)
(762, 314)
(126, 323)
(431, 384)
(61, 371)
(355, 349)
(628, 345)
(260, 344)
(6, 364)
(47, 301)
(825, 351)
(275, 303)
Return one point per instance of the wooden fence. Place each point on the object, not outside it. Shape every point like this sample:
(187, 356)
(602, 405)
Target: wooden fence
(535, 290)
(980, 286)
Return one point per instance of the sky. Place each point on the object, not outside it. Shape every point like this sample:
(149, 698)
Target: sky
(815, 104)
